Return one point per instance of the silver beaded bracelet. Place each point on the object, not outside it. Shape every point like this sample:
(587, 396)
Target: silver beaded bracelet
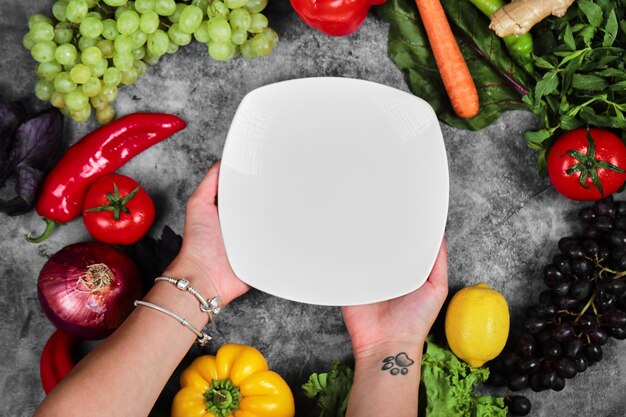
(203, 338)
(210, 306)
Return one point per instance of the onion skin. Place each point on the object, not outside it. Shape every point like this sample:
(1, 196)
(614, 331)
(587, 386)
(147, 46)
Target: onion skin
(82, 312)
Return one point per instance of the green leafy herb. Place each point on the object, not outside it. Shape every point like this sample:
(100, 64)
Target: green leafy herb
(590, 73)
(579, 75)
(448, 382)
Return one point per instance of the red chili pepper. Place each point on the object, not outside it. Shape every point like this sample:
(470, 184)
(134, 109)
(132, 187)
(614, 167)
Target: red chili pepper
(334, 17)
(99, 153)
(56, 360)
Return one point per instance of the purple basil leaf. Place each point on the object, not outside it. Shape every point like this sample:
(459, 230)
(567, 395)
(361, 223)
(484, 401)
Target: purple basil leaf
(15, 206)
(28, 181)
(38, 141)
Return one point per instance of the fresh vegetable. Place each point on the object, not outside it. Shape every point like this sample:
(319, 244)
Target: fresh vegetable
(331, 390)
(56, 359)
(587, 164)
(499, 79)
(454, 72)
(29, 146)
(87, 289)
(117, 210)
(449, 388)
(583, 305)
(519, 46)
(236, 381)
(100, 153)
(519, 16)
(579, 76)
(477, 324)
(334, 17)
(90, 48)
(580, 73)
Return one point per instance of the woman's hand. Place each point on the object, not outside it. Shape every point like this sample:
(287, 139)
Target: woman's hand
(387, 340)
(406, 319)
(202, 259)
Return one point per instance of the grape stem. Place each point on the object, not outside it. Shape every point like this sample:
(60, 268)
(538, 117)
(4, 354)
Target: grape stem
(618, 275)
(586, 307)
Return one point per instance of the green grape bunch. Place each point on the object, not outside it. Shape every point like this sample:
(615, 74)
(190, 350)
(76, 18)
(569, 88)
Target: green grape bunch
(88, 48)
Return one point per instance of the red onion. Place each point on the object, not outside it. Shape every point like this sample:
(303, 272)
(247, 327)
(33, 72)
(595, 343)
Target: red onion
(87, 289)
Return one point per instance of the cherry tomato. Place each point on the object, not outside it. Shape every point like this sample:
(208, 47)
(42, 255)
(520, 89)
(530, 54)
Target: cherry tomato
(117, 210)
(587, 164)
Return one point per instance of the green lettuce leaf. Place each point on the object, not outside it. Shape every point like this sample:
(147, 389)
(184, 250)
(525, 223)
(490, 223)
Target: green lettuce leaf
(501, 83)
(450, 387)
(331, 390)
(448, 382)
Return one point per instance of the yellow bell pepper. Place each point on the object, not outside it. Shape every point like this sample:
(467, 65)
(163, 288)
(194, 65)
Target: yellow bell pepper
(236, 381)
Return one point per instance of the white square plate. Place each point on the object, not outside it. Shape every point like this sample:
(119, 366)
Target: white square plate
(333, 191)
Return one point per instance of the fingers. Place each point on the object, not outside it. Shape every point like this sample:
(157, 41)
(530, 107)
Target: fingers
(207, 189)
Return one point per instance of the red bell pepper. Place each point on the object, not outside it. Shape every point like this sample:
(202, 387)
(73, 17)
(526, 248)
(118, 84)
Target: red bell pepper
(99, 153)
(334, 17)
(56, 360)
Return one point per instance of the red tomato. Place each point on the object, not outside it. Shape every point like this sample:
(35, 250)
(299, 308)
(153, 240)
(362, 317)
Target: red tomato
(117, 210)
(587, 164)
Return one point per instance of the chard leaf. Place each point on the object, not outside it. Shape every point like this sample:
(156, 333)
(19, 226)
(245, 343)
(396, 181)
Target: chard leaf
(610, 31)
(499, 81)
(588, 82)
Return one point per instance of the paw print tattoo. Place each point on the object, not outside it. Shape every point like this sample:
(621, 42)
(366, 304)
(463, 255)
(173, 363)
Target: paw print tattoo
(398, 364)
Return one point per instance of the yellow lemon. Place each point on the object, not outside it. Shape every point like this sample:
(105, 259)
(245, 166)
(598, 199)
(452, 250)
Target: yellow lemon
(477, 324)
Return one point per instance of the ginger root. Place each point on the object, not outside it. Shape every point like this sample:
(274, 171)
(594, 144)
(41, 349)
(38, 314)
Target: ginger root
(517, 17)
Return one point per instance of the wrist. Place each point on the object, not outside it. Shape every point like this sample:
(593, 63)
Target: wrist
(199, 279)
(378, 351)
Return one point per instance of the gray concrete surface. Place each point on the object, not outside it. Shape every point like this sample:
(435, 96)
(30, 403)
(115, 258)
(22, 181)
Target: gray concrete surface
(503, 222)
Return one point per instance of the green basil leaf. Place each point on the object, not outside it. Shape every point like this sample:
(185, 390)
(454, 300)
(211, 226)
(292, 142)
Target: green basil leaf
(610, 31)
(570, 56)
(538, 137)
(587, 34)
(568, 38)
(612, 73)
(569, 123)
(619, 86)
(542, 63)
(592, 11)
(547, 84)
(588, 82)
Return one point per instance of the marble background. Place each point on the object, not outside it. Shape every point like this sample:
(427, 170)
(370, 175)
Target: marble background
(503, 224)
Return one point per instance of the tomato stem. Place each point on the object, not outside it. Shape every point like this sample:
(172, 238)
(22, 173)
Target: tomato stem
(117, 203)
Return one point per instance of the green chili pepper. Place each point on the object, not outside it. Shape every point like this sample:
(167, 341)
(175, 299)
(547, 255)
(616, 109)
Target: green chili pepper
(519, 46)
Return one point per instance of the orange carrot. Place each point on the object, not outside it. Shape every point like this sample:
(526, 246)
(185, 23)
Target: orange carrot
(452, 67)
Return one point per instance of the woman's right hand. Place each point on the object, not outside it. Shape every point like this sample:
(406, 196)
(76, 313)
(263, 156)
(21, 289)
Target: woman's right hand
(202, 259)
